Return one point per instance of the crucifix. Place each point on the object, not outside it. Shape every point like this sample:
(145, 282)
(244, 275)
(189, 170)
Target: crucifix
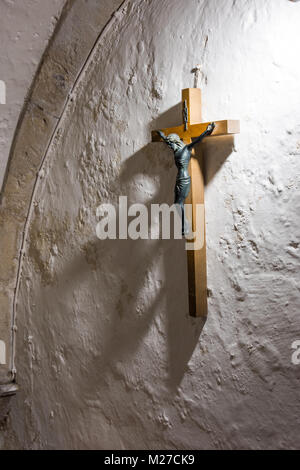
(190, 187)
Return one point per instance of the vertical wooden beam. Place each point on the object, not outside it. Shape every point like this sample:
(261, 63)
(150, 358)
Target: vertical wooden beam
(197, 276)
(193, 97)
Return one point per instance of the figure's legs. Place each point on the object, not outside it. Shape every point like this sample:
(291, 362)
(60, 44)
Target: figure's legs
(180, 196)
(185, 224)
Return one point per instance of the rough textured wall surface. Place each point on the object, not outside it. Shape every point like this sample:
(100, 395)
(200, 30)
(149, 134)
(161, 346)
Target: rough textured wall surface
(25, 28)
(107, 354)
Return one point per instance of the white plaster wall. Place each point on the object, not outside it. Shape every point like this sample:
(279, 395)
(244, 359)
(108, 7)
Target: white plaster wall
(107, 354)
(25, 29)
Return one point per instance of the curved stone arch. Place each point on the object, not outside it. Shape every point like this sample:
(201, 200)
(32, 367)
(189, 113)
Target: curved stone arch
(2, 92)
(58, 74)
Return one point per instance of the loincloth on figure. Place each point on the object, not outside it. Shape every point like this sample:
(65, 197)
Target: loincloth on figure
(182, 188)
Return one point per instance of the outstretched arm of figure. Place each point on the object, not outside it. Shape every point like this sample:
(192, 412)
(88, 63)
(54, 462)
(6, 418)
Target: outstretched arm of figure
(208, 131)
(162, 135)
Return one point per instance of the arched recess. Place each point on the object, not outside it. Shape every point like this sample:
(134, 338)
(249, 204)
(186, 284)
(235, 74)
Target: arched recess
(79, 28)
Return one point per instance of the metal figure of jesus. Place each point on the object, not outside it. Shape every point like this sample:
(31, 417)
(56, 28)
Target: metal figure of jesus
(182, 156)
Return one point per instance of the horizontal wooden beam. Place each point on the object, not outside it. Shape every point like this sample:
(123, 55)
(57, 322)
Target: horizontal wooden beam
(226, 127)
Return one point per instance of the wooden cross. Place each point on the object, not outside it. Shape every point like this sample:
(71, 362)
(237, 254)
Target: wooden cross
(193, 127)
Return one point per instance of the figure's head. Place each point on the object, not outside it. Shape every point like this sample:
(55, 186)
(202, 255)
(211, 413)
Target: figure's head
(174, 141)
